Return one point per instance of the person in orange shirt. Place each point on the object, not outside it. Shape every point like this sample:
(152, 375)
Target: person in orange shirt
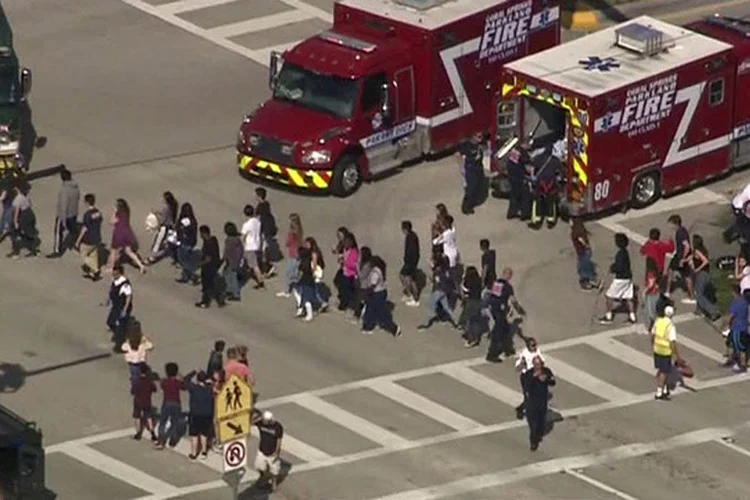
(235, 366)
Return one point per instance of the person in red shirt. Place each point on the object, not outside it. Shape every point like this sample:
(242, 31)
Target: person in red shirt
(651, 293)
(171, 407)
(143, 410)
(235, 366)
(657, 250)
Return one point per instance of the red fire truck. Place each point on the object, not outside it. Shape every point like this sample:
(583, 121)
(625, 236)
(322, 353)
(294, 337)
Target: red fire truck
(392, 82)
(640, 110)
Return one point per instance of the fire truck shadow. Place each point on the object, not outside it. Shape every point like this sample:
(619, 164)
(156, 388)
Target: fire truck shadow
(30, 140)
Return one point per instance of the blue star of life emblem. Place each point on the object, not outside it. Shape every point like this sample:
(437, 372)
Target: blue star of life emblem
(544, 17)
(595, 63)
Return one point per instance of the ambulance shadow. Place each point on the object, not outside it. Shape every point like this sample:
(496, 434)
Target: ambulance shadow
(260, 491)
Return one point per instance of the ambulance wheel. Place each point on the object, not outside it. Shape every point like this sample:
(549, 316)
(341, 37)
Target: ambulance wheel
(646, 190)
(347, 177)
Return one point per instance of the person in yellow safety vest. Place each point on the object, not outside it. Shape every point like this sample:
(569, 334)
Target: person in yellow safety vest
(664, 339)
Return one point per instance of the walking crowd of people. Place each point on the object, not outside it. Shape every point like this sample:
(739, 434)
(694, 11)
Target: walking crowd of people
(475, 300)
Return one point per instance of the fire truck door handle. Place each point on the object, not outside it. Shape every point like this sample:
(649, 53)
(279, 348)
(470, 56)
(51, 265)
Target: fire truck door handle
(616, 177)
(445, 101)
(706, 132)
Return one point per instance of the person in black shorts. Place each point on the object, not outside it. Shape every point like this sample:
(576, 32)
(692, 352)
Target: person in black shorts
(408, 272)
(681, 262)
(143, 410)
(201, 420)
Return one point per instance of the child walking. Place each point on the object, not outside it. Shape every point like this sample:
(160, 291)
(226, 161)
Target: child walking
(621, 289)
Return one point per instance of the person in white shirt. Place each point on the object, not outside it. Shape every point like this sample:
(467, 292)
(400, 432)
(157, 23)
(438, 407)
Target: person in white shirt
(524, 364)
(253, 244)
(136, 350)
(741, 225)
(449, 241)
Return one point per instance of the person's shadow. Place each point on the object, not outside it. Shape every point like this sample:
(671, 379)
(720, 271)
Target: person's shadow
(259, 490)
(30, 140)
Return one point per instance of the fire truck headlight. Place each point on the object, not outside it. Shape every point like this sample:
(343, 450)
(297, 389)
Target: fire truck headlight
(317, 157)
(254, 140)
(4, 137)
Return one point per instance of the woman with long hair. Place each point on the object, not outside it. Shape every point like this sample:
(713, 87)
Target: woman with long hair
(347, 289)
(166, 216)
(651, 293)
(294, 239)
(702, 279)
(318, 267)
(376, 311)
(304, 291)
(135, 349)
(471, 313)
(437, 228)
(579, 235)
(362, 289)
(232, 260)
(124, 240)
(187, 239)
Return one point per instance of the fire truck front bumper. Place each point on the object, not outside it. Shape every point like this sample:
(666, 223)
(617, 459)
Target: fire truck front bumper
(305, 179)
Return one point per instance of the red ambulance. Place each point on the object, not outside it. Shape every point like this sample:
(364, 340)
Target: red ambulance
(639, 110)
(392, 82)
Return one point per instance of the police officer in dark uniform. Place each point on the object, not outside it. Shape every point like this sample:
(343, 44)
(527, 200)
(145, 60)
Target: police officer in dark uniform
(545, 191)
(120, 301)
(499, 302)
(471, 155)
(518, 200)
(540, 379)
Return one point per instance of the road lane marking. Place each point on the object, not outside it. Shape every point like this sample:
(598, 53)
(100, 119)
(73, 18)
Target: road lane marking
(586, 381)
(350, 421)
(557, 465)
(700, 196)
(446, 438)
(600, 485)
(733, 447)
(425, 406)
(189, 5)
(701, 349)
(309, 9)
(484, 384)
(295, 447)
(118, 470)
(450, 368)
(623, 352)
(260, 23)
(195, 30)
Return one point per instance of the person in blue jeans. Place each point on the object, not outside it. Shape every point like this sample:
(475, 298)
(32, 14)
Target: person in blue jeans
(586, 270)
(738, 331)
(376, 311)
(443, 289)
(171, 407)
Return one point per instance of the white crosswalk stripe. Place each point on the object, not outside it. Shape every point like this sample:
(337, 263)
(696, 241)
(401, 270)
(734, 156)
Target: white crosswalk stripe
(389, 441)
(298, 12)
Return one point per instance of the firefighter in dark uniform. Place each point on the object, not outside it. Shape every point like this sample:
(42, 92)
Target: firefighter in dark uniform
(545, 190)
(518, 199)
(120, 301)
(499, 303)
(471, 156)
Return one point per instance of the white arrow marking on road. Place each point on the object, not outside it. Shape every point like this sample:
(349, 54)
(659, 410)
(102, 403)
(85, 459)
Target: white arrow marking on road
(189, 5)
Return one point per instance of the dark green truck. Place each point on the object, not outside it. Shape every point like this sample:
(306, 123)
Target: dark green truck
(15, 84)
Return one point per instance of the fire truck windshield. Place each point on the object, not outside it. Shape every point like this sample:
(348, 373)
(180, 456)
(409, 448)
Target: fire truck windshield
(324, 93)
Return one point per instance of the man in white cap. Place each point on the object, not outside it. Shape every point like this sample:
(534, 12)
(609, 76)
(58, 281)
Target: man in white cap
(664, 340)
(267, 461)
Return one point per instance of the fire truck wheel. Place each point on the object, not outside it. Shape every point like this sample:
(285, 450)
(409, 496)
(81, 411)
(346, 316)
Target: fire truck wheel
(645, 190)
(347, 177)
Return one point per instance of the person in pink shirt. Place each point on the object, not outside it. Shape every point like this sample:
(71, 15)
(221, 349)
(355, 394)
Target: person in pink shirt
(235, 366)
(294, 239)
(349, 272)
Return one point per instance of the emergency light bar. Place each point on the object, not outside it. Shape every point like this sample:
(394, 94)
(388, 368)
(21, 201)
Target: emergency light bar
(347, 41)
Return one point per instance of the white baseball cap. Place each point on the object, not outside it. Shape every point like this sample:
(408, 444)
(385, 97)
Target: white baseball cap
(267, 415)
(669, 311)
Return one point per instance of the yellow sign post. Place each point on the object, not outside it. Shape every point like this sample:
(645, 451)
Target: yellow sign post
(232, 409)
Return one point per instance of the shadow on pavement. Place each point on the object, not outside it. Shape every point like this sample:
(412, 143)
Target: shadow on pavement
(13, 375)
(30, 140)
(259, 490)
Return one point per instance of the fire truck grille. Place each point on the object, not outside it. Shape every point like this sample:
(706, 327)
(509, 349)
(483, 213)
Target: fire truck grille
(273, 150)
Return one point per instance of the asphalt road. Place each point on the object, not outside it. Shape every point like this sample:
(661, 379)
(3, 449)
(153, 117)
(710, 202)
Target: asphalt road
(137, 98)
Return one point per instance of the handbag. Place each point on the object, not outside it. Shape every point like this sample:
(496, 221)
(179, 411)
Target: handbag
(684, 368)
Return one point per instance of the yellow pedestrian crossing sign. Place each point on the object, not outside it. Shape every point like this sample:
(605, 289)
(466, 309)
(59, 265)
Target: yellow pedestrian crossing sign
(236, 397)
